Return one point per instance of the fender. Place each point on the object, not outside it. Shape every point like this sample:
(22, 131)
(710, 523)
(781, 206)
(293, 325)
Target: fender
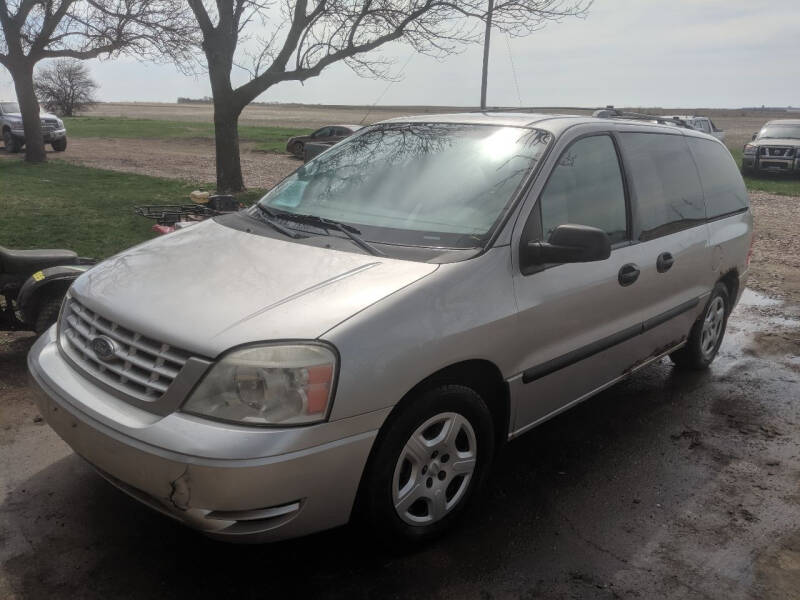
(36, 283)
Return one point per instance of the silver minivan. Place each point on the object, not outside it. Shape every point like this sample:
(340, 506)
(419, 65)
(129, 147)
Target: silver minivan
(361, 341)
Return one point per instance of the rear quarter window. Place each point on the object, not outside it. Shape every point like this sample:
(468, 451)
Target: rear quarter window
(668, 195)
(723, 186)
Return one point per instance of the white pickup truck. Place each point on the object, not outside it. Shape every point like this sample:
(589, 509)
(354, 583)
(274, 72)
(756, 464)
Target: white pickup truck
(703, 124)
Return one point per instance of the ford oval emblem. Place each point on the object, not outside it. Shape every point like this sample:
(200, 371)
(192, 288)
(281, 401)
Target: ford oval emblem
(104, 348)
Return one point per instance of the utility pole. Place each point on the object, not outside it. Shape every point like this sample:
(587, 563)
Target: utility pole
(486, 37)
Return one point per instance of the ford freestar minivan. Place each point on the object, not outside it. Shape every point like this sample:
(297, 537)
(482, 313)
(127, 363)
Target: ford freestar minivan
(361, 340)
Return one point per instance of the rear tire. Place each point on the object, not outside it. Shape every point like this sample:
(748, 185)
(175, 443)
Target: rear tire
(12, 145)
(706, 335)
(49, 308)
(429, 465)
(59, 145)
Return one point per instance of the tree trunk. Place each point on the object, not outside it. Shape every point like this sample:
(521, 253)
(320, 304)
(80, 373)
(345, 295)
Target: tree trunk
(226, 138)
(22, 73)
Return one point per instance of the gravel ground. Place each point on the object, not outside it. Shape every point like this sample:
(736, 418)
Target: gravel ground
(189, 160)
(775, 266)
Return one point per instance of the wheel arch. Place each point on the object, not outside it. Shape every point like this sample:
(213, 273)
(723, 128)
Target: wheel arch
(481, 375)
(731, 281)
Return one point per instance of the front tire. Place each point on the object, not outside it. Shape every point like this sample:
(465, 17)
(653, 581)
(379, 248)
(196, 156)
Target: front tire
(429, 466)
(12, 145)
(59, 145)
(49, 308)
(706, 335)
(297, 149)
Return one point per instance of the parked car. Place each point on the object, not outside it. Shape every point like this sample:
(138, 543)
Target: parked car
(312, 149)
(13, 132)
(361, 341)
(328, 134)
(703, 124)
(775, 149)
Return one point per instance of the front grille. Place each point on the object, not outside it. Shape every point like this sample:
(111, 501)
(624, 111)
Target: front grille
(140, 366)
(774, 151)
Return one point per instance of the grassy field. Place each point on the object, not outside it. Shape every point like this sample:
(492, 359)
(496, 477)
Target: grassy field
(56, 204)
(268, 139)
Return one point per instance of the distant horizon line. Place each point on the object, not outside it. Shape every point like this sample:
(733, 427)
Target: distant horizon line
(788, 108)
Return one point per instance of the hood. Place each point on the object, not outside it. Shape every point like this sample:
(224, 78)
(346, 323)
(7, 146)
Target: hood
(208, 287)
(42, 115)
(776, 142)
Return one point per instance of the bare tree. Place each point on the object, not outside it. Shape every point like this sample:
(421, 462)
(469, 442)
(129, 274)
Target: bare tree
(65, 87)
(33, 30)
(309, 35)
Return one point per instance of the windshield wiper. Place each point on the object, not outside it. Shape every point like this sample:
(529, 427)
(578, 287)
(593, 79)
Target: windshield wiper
(350, 231)
(269, 218)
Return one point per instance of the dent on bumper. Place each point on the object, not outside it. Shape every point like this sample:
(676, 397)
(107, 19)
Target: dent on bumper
(253, 500)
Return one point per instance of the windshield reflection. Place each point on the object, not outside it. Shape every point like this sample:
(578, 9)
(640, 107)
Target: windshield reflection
(780, 131)
(428, 184)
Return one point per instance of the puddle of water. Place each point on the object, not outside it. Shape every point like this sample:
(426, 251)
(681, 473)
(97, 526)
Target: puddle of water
(752, 298)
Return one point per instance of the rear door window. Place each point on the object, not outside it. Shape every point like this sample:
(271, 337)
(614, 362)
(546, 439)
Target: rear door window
(702, 125)
(723, 187)
(668, 195)
(586, 188)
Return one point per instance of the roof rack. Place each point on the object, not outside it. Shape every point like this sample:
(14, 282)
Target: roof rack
(609, 112)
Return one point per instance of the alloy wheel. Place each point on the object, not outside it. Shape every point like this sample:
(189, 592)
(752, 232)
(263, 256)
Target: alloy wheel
(712, 326)
(434, 469)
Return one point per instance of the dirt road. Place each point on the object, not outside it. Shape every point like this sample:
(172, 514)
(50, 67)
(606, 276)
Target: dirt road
(188, 160)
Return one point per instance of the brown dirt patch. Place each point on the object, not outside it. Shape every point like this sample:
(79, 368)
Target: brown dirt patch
(775, 266)
(188, 160)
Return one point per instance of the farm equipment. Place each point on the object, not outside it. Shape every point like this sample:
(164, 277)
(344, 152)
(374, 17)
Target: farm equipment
(33, 284)
(169, 217)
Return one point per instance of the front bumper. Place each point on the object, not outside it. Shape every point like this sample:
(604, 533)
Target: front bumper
(771, 164)
(47, 135)
(294, 487)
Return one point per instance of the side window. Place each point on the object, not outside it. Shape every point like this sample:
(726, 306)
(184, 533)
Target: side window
(585, 188)
(668, 194)
(702, 125)
(320, 133)
(722, 184)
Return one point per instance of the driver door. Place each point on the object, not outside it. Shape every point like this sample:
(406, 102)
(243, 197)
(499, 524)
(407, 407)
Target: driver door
(578, 323)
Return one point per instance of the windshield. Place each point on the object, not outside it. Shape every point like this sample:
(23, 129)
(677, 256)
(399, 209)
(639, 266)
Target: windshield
(417, 184)
(780, 131)
(9, 107)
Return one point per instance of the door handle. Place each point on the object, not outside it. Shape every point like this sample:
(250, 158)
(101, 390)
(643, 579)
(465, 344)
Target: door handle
(628, 274)
(664, 262)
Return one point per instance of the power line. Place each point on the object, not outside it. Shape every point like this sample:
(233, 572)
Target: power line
(402, 70)
(513, 70)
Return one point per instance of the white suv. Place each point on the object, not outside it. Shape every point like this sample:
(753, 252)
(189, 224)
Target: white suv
(703, 124)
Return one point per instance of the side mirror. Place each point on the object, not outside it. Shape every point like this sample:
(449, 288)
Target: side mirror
(567, 244)
(755, 135)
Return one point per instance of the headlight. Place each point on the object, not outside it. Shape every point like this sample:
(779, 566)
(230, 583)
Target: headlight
(750, 149)
(60, 123)
(268, 385)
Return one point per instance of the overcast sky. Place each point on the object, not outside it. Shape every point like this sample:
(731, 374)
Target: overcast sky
(671, 53)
